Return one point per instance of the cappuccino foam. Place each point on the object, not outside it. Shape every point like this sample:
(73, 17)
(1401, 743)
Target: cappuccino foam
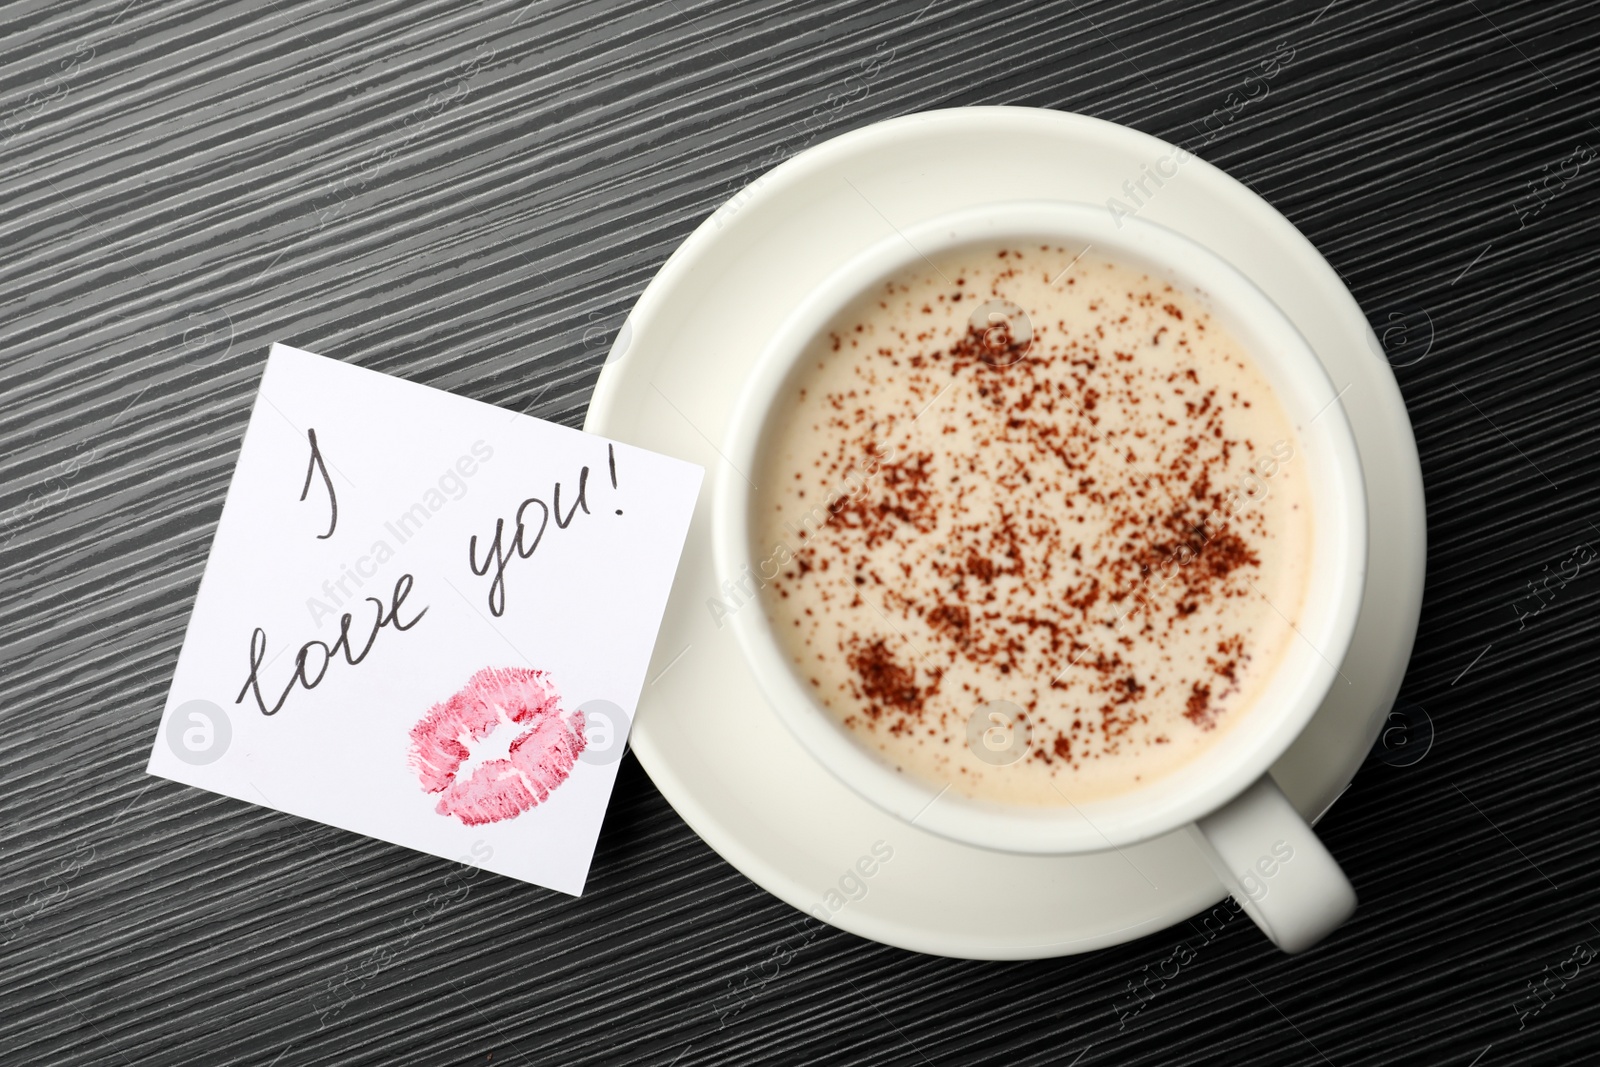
(1031, 527)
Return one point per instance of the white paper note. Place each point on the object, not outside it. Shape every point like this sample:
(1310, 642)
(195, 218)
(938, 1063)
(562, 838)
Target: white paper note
(425, 619)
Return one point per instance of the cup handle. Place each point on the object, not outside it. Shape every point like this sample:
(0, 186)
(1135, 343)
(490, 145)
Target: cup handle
(1283, 877)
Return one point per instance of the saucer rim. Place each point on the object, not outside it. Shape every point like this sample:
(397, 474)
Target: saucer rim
(1401, 467)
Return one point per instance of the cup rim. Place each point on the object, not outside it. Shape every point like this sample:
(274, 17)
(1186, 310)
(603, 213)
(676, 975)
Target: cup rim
(1337, 575)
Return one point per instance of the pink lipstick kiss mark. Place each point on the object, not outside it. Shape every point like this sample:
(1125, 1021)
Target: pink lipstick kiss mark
(497, 748)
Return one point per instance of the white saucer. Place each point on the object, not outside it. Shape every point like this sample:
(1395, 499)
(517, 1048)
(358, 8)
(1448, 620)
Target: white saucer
(703, 731)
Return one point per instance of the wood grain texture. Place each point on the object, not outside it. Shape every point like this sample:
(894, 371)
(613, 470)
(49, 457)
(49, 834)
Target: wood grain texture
(471, 195)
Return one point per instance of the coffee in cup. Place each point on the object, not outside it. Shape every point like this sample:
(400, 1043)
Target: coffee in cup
(1031, 524)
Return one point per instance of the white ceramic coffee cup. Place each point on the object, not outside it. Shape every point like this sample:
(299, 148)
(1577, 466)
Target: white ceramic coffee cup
(1261, 848)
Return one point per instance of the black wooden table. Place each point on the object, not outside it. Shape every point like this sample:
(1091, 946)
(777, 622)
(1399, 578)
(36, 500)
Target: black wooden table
(471, 195)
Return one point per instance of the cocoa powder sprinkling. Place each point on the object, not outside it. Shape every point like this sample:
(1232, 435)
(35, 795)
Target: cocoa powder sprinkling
(1043, 515)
